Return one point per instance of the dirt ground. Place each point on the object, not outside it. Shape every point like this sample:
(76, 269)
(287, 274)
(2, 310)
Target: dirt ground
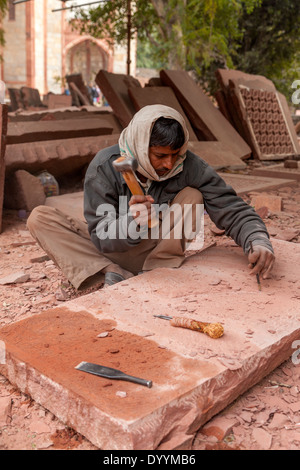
(267, 417)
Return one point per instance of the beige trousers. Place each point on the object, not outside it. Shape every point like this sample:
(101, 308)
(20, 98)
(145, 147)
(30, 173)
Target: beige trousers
(67, 242)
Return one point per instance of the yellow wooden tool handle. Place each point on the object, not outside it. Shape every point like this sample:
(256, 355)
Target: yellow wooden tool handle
(214, 330)
(136, 190)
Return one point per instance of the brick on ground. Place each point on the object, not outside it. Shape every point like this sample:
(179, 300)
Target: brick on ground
(273, 203)
(220, 427)
(23, 191)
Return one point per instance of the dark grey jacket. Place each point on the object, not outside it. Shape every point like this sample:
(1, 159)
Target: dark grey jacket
(103, 185)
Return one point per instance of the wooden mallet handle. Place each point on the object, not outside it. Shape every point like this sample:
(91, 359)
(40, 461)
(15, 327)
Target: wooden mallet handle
(134, 186)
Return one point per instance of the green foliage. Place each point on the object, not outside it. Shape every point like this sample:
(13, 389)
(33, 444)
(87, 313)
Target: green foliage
(270, 42)
(3, 10)
(256, 36)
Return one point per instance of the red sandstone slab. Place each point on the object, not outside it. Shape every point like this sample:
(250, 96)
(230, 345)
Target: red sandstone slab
(58, 101)
(81, 96)
(278, 171)
(3, 129)
(21, 132)
(56, 156)
(243, 184)
(207, 119)
(73, 203)
(194, 377)
(264, 119)
(159, 95)
(223, 76)
(114, 87)
(217, 154)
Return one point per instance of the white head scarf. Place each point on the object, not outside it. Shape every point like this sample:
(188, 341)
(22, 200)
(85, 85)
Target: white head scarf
(134, 139)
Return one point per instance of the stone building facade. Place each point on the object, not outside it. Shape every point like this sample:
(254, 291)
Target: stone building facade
(41, 48)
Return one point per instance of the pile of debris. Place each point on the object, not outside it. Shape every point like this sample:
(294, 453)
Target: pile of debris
(251, 120)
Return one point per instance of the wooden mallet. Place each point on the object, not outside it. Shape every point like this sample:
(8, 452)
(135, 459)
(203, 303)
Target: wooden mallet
(128, 166)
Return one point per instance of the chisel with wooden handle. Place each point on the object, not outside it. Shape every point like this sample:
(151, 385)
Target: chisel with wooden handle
(214, 330)
(109, 373)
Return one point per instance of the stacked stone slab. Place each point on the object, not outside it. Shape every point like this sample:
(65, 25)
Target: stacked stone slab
(21, 132)
(259, 113)
(59, 157)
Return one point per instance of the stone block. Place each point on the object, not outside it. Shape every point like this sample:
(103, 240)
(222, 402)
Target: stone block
(194, 376)
(290, 164)
(115, 89)
(23, 191)
(206, 119)
(159, 95)
(21, 132)
(78, 97)
(16, 99)
(79, 91)
(259, 113)
(278, 171)
(31, 97)
(220, 427)
(58, 101)
(3, 129)
(273, 203)
(217, 154)
(59, 157)
(243, 184)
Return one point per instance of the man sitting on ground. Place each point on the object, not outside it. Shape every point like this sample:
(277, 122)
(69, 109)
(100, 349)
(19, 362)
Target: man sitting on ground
(102, 246)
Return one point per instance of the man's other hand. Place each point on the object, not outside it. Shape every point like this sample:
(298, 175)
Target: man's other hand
(140, 208)
(261, 261)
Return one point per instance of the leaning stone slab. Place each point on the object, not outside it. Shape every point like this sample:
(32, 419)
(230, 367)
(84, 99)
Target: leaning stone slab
(3, 129)
(114, 87)
(194, 376)
(159, 95)
(217, 154)
(207, 120)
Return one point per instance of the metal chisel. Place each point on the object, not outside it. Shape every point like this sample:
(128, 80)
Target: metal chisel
(109, 373)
